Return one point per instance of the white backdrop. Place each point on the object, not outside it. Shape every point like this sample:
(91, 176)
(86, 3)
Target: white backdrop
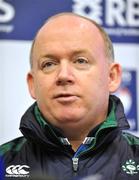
(14, 94)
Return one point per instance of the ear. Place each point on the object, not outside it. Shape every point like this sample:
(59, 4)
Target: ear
(30, 82)
(115, 75)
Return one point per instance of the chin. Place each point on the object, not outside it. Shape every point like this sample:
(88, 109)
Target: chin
(69, 118)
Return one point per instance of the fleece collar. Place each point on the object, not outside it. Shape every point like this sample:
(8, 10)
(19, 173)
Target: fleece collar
(36, 128)
(110, 122)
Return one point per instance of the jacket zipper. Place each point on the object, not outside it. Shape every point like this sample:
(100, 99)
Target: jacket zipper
(75, 163)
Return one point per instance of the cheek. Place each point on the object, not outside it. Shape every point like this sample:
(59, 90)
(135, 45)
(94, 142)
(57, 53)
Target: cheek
(41, 86)
(96, 81)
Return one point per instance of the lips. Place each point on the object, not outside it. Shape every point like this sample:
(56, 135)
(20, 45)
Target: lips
(65, 97)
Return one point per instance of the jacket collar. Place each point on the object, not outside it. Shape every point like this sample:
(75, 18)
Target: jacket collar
(35, 128)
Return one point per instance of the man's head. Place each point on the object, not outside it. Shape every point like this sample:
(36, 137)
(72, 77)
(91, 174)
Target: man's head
(72, 73)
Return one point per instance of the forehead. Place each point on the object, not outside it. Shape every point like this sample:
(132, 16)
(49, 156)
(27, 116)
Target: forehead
(68, 30)
(68, 24)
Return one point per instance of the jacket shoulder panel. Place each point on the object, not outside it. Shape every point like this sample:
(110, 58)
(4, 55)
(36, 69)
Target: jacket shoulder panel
(14, 145)
(131, 139)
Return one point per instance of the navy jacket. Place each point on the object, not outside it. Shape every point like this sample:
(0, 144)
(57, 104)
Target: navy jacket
(44, 153)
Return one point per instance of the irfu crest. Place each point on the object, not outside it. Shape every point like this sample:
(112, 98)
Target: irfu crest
(131, 167)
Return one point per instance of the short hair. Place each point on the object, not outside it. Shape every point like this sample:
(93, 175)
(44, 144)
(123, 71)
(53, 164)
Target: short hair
(109, 50)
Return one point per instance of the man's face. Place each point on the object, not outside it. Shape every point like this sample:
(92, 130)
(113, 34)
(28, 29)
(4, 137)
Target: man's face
(70, 74)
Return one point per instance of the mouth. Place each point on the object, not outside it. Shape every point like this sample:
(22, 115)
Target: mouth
(66, 97)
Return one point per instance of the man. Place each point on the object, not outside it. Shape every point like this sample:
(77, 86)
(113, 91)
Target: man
(74, 129)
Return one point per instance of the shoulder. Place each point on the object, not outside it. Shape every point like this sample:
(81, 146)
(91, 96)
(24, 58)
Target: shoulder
(131, 139)
(13, 145)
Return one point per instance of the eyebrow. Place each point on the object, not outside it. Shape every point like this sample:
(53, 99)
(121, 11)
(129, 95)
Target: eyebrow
(51, 55)
(79, 52)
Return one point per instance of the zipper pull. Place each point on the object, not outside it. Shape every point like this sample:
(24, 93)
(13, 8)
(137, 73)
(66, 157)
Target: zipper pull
(75, 163)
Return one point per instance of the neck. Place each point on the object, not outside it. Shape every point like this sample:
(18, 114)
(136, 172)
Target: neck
(75, 144)
(76, 136)
(77, 140)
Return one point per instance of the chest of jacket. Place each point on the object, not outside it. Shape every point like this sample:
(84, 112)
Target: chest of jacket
(115, 162)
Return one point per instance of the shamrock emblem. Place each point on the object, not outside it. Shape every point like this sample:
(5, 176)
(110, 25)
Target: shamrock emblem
(130, 167)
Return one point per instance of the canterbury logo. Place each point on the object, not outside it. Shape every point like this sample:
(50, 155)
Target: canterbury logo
(17, 170)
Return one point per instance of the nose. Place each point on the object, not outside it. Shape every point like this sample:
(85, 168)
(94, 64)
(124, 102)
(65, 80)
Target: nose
(65, 74)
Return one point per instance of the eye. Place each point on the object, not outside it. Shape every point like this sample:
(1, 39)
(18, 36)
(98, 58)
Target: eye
(48, 65)
(81, 63)
(81, 60)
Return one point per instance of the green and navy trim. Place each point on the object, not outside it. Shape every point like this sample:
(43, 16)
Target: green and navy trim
(89, 142)
(14, 145)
